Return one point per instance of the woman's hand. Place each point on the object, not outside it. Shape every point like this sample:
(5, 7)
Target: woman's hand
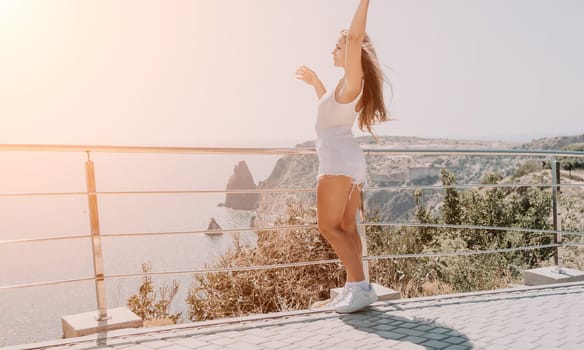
(307, 75)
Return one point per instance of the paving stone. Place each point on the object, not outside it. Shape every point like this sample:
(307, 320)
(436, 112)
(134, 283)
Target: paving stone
(444, 330)
(408, 331)
(384, 327)
(155, 344)
(424, 328)
(458, 347)
(307, 343)
(407, 346)
(535, 318)
(408, 325)
(210, 347)
(384, 344)
(242, 346)
(175, 347)
(455, 339)
(223, 341)
(208, 337)
(121, 346)
(274, 345)
(413, 339)
(333, 340)
(436, 344)
(136, 347)
(390, 335)
(189, 342)
(435, 336)
(259, 332)
(323, 346)
(252, 339)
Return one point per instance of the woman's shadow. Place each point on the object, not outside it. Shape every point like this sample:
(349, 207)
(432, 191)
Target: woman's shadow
(398, 330)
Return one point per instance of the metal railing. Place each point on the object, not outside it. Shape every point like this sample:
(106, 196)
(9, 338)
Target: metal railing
(95, 235)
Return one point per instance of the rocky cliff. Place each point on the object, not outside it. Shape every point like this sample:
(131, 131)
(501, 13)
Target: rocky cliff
(397, 203)
(241, 180)
(299, 172)
(294, 173)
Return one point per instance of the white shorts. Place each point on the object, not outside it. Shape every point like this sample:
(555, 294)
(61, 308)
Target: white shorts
(339, 153)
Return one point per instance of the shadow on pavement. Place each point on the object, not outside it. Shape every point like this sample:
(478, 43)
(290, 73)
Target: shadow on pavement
(426, 334)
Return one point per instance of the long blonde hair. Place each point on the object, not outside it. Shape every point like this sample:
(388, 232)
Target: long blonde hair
(373, 108)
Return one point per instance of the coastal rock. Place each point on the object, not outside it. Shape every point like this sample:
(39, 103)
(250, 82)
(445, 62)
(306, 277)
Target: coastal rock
(299, 172)
(213, 225)
(241, 180)
(290, 172)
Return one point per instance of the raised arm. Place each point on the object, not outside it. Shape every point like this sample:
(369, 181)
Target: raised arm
(353, 69)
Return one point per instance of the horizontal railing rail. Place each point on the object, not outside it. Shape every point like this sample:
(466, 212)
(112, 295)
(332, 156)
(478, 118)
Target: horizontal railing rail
(292, 190)
(282, 150)
(96, 236)
(294, 264)
(287, 265)
(291, 227)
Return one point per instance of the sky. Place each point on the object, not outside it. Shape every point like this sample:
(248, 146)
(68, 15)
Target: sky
(222, 72)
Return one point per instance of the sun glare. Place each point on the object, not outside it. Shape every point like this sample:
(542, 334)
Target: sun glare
(15, 14)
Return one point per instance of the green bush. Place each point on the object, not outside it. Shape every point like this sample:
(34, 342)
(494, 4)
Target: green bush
(495, 207)
(571, 163)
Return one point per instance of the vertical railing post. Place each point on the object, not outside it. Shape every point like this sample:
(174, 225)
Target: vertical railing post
(96, 240)
(555, 217)
(360, 217)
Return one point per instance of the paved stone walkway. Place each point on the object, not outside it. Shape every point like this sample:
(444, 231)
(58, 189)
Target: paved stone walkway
(546, 318)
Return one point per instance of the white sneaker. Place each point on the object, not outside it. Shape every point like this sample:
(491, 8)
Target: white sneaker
(355, 299)
(339, 297)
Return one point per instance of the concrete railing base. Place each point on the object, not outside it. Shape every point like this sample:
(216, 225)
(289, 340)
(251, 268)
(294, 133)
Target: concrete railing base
(551, 275)
(86, 323)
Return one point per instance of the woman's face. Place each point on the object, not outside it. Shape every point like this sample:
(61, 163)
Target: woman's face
(339, 52)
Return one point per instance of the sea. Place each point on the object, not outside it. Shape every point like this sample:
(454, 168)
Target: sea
(33, 314)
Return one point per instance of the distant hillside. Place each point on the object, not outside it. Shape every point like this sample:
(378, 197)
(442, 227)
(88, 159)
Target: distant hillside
(299, 172)
(553, 143)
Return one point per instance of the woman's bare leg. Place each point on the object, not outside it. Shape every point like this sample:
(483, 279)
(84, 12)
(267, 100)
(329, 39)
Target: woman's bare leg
(349, 223)
(333, 206)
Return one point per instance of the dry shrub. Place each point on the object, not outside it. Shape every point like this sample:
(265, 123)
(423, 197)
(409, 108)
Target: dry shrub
(430, 288)
(231, 294)
(573, 256)
(151, 305)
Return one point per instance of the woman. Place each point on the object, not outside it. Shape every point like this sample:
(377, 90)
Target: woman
(342, 168)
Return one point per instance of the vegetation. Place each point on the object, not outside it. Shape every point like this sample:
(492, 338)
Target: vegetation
(528, 167)
(486, 207)
(273, 289)
(229, 294)
(279, 289)
(572, 163)
(572, 213)
(151, 305)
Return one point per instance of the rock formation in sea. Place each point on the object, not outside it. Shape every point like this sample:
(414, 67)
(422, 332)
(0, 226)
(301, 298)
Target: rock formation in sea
(241, 180)
(213, 225)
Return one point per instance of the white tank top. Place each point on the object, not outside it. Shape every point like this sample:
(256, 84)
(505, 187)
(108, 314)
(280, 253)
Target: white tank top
(338, 151)
(334, 114)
